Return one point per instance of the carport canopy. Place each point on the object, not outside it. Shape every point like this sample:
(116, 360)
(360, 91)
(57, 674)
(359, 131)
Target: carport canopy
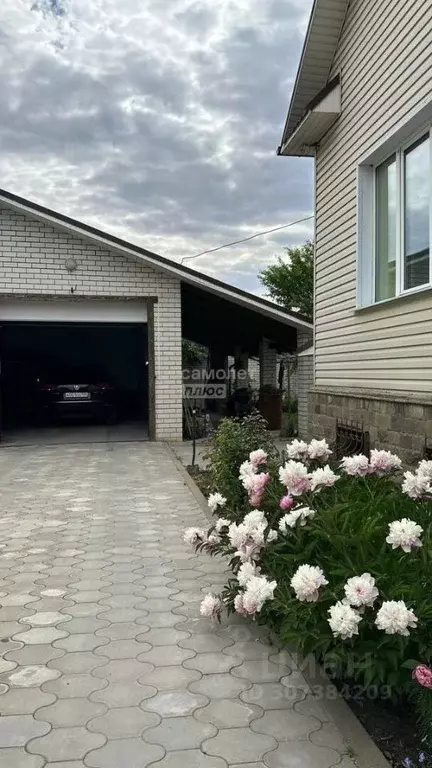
(239, 321)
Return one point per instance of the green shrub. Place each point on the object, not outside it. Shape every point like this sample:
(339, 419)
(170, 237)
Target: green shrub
(338, 523)
(230, 446)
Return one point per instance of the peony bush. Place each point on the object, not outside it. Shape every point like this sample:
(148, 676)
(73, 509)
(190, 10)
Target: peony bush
(336, 558)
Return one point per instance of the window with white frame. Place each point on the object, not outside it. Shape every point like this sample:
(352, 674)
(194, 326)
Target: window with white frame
(396, 222)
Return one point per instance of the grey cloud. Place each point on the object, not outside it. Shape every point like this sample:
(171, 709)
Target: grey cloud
(181, 150)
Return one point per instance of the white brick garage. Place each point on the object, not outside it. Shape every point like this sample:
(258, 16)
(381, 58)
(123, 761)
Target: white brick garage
(33, 256)
(49, 258)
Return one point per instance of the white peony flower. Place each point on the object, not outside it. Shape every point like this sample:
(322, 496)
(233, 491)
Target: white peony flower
(357, 466)
(246, 470)
(306, 582)
(394, 618)
(425, 469)
(272, 535)
(324, 477)
(383, 462)
(193, 535)
(343, 620)
(299, 514)
(211, 606)
(295, 476)
(245, 573)
(319, 449)
(361, 591)
(247, 538)
(216, 500)
(257, 591)
(416, 485)
(297, 449)
(222, 522)
(405, 534)
(258, 457)
(238, 603)
(255, 518)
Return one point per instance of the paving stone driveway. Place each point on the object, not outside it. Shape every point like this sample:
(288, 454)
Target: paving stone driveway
(104, 661)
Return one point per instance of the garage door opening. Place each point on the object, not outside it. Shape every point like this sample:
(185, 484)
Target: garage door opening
(73, 382)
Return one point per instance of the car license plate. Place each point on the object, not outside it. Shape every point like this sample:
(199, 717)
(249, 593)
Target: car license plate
(76, 396)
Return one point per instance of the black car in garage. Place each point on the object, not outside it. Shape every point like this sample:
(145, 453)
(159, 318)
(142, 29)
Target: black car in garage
(67, 392)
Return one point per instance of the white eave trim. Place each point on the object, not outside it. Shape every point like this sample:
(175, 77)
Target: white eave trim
(249, 302)
(314, 125)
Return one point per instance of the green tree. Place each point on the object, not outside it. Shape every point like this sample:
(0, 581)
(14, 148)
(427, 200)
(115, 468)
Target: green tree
(290, 282)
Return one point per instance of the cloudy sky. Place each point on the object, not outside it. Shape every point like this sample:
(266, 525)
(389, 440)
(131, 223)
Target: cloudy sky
(158, 120)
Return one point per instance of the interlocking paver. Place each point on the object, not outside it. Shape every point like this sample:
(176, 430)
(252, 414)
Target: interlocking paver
(272, 696)
(229, 713)
(166, 655)
(70, 712)
(212, 663)
(77, 663)
(19, 758)
(124, 694)
(176, 703)
(125, 723)
(170, 678)
(123, 670)
(302, 753)
(164, 636)
(286, 724)
(21, 702)
(105, 659)
(30, 676)
(133, 753)
(72, 686)
(239, 744)
(222, 686)
(123, 649)
(17, 730)
(66, 743)
(179, 733)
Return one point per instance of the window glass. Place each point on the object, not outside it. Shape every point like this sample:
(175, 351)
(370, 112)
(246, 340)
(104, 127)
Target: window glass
(386, 230)
(417, 185)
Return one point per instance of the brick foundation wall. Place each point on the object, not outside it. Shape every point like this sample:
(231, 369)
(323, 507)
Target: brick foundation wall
(32, 263)
(395, 422)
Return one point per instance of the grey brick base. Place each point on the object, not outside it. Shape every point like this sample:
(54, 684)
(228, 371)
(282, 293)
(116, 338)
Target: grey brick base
(395, 422)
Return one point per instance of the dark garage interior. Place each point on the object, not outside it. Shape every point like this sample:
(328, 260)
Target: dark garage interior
(100, 367)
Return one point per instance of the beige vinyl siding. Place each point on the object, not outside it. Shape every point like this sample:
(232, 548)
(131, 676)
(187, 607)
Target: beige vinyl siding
(384, 57)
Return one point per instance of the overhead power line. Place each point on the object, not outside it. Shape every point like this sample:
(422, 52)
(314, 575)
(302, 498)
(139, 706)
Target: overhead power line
(245, 239)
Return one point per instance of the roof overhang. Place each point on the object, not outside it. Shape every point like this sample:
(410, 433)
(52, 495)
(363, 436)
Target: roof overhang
(322, 37)
(318, 119)
(209, 284)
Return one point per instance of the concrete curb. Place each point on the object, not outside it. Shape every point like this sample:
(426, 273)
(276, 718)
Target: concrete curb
(189, 481)
(365, 752)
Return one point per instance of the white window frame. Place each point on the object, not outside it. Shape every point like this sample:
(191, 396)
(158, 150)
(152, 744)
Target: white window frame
(402, 139)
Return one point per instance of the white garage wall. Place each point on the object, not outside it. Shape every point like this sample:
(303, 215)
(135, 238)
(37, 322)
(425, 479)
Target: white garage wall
(73, 311)
(32, 263)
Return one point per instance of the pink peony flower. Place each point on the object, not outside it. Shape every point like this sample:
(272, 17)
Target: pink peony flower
(384, 462)
(286, 502)
(423, 675)
(257, 458)
(295, 476)
(255, 486)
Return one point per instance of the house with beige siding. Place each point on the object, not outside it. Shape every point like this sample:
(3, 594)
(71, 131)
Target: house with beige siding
(362, 108)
